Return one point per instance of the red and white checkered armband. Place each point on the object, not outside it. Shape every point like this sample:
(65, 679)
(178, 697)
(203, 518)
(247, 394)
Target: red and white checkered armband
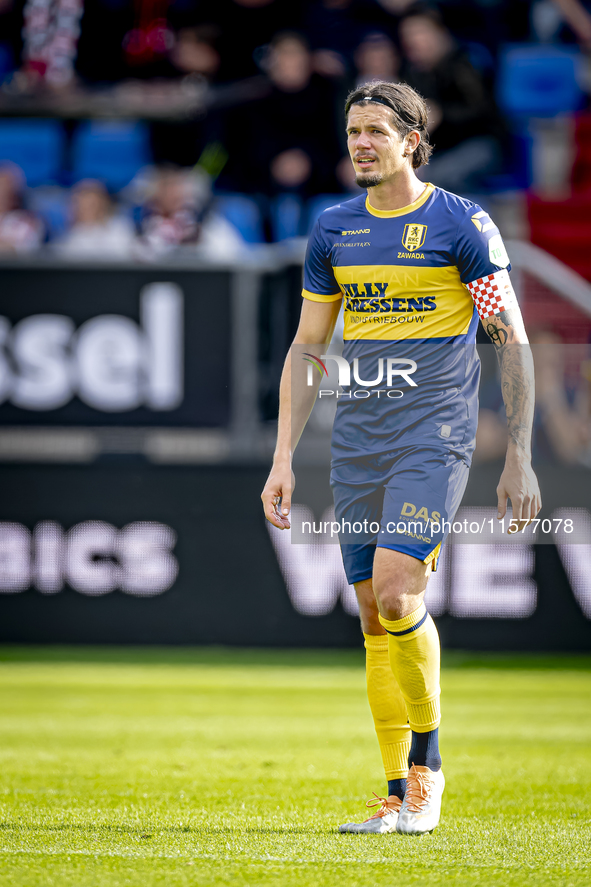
(493, 294)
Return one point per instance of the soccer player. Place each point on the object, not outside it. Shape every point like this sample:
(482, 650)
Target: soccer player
(414, 266)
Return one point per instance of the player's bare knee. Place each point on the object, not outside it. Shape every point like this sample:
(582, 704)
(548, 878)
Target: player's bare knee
(399, 583)
(392, 601)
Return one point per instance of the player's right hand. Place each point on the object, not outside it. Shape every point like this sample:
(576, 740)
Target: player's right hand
(276, 496)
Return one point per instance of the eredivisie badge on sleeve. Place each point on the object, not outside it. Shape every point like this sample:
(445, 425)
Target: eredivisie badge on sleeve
(414, 236)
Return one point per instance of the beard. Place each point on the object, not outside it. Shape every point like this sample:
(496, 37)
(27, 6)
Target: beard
(368, 180)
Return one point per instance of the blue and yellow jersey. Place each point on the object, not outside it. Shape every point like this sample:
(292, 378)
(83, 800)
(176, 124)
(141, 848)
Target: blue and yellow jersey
(411, 280)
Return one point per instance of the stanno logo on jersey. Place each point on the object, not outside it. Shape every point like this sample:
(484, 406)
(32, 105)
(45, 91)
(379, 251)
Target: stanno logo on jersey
(414, 236)
(359, 231)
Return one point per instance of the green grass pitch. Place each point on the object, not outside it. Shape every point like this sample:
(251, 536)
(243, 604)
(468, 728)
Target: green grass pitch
(210, 767)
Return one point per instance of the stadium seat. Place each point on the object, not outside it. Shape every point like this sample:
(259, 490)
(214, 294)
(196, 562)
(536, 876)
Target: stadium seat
(112, 151)
(36, 146)
(518, 168)
(244, 213)
(563, 228)
(539, 81)
(53, 205)
(317, 205)
(287, 213)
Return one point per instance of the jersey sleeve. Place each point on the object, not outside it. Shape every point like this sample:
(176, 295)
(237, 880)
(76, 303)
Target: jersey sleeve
(483, 264)
(319, 281)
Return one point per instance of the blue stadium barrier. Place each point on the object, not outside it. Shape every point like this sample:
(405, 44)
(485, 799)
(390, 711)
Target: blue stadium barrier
(36, 146)
(112, 151)
(244, 213)
(539, 81)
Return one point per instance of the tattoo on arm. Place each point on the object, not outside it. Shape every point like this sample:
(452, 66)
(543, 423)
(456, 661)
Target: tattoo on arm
(498, 336)
(517, 375)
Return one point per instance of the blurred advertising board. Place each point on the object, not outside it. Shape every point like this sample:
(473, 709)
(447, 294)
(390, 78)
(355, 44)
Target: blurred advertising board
(115, 346)
(126, 552)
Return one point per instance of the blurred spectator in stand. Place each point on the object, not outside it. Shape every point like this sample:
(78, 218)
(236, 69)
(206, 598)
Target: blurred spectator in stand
(96, 231)
(50, 35)
(334, 27)
(333, 34)
(554, 20)
(246, 27)
(287, 142)
(562, 424)
(563, 401)
(577, 16)
(179, 211)
(481, 26)
(464, 125)
(300, 101)
(376, 58)
(396, 7)
(195, 56)
(195, 51)
(20, 230)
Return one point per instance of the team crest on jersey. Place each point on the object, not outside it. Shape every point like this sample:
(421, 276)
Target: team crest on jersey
(414, 236)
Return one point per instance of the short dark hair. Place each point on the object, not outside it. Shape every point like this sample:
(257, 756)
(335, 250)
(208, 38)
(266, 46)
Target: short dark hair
(426, 11)
(289, 37)
(408, 107)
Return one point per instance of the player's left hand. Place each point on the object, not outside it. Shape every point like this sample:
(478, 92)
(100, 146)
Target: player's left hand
(277, 494)
(519, 484)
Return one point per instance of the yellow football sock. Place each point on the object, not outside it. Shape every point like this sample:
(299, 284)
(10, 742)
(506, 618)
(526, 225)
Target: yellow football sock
(387, 707)
(413, 645)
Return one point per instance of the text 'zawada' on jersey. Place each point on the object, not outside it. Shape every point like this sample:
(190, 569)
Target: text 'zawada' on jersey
(413, 283)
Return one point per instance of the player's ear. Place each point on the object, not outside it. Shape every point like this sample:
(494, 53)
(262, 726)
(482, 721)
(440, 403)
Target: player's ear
(411, 142)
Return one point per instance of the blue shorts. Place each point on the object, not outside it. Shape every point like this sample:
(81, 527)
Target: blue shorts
(405, 501)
